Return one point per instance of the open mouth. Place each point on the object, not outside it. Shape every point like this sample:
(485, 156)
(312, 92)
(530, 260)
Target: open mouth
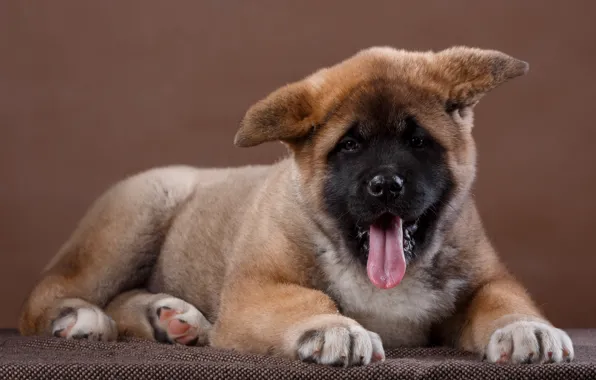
(386, 245)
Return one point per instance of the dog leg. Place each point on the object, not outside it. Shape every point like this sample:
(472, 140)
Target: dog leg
(293, 321)
(159, 317)
(502, 323)
(113, 248)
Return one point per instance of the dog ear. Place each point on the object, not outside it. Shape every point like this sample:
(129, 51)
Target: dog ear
(470, 73)
(286, 115)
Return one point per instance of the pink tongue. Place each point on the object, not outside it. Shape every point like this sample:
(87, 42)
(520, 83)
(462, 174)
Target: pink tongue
(386, 262)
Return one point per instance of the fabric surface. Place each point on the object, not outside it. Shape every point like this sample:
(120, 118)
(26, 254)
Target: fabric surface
(53, 358)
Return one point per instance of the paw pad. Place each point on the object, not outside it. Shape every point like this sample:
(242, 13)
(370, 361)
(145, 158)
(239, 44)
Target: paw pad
(176, 321)
(504, 358)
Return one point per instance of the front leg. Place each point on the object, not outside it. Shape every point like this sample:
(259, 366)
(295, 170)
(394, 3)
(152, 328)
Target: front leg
(293, 321)
(502, 323)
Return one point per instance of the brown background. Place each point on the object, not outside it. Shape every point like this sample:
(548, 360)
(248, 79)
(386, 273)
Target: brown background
(91, 91)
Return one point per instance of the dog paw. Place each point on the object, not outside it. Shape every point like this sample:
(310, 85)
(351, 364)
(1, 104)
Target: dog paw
(84, 323)
(345, 346)
(177, 321)
(529, 342)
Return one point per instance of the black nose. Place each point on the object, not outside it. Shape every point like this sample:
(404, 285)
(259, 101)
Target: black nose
(389, 186)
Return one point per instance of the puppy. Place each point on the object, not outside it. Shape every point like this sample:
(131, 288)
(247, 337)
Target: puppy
(366, 236)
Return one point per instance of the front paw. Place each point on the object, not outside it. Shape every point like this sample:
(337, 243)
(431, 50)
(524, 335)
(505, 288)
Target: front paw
(529, 342)
(339, 342)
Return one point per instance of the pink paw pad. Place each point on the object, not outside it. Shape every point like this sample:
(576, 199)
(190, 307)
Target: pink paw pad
(504, 358)
(177, 329)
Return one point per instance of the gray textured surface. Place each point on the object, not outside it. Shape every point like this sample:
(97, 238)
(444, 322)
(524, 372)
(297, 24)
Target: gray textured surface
(53, 358)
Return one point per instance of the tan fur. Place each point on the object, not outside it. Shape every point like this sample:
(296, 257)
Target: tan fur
(129, 310)
(252, 247)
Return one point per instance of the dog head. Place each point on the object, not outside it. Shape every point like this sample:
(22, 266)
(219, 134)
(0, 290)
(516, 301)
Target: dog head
(383, 144)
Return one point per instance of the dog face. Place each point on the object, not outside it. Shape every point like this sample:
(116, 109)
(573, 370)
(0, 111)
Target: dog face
(386, 165)
(383, 146)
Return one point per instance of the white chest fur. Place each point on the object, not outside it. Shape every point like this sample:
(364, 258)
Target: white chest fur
(402, 315)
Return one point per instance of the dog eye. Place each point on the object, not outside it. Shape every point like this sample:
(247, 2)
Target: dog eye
(417, 141)
(349, 145)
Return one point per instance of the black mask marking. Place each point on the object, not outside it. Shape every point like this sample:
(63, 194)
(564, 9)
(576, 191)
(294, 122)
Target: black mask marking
(388, 141)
